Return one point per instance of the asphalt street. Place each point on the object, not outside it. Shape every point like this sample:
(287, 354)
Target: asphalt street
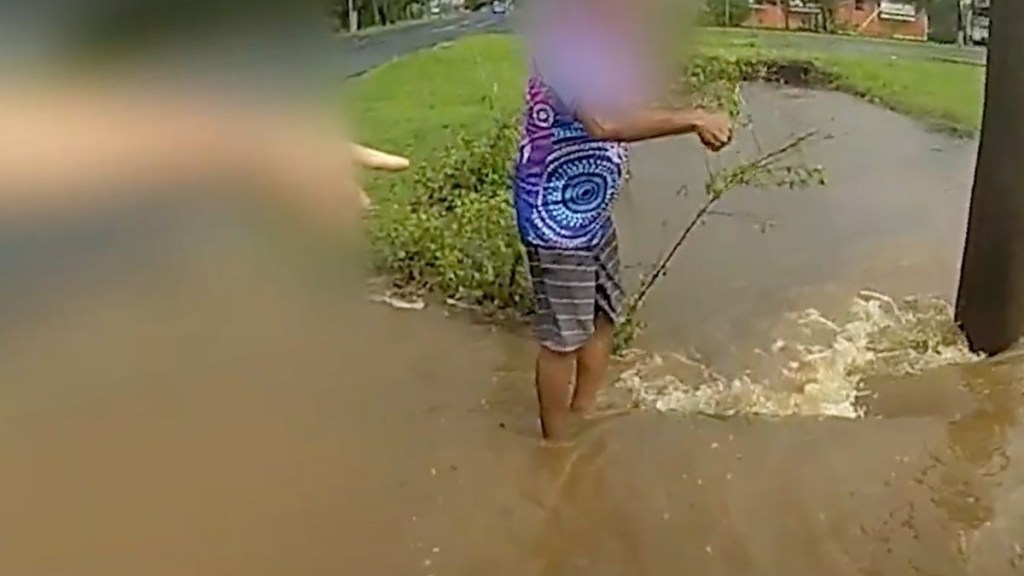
(363, 52)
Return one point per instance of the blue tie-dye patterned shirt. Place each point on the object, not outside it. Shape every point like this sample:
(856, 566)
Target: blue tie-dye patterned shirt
(565, 181)
(581, 58)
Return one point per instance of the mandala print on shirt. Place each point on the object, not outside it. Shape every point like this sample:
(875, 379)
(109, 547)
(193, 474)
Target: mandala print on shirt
(580, 183)
(537, 133)
(542, 115)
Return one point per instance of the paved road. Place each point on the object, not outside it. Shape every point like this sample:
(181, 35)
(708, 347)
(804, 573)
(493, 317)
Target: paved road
(372, 50)
(368, 51)
(282, 56)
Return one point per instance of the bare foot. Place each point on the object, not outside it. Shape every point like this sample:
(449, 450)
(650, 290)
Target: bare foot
(578, 428)
(583, 423)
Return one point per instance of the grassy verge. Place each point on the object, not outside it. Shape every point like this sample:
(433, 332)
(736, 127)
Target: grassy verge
(447, 227)
(928, 82)
(416, 104)
(771, 37)
(945, 95)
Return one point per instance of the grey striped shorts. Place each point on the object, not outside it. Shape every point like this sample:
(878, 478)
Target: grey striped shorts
(570, 288)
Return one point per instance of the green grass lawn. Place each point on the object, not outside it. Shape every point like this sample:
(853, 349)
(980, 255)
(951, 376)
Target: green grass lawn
(945, 94)
(782, 39)
(412, 105)
(942, 93)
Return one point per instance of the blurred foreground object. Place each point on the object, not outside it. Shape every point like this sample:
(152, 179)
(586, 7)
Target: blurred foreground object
(74, 146)
(990, 302)
(130, 99)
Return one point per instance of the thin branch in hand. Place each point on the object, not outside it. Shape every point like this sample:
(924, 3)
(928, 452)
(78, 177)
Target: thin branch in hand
(751, 172)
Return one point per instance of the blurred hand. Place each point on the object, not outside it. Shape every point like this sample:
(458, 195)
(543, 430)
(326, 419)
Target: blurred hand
(315, 171)
(71, 148)
(715, 131)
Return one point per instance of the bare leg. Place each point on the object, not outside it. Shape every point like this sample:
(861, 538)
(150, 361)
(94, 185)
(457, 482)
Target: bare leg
(554, 383)
(592, 366)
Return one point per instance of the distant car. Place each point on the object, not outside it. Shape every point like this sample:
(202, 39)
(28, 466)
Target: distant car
(498, 7)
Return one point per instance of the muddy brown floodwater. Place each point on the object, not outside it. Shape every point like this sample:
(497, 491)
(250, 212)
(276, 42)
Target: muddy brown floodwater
(183, 391)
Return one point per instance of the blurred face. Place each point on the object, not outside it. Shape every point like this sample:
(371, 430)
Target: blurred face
(621, 34)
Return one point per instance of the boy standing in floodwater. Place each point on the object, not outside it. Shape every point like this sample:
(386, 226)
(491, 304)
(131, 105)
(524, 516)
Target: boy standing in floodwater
(585, 99)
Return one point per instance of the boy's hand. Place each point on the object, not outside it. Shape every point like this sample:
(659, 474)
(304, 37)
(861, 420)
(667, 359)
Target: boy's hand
(372, 159)
(317, 174)
(714, 131)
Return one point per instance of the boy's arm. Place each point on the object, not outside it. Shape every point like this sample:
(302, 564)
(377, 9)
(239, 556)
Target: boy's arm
(608, 110)
(714, 130)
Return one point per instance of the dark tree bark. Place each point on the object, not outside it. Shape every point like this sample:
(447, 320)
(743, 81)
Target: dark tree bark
(990, 302)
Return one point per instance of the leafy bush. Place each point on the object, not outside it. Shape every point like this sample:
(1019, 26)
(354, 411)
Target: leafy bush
(455, 235)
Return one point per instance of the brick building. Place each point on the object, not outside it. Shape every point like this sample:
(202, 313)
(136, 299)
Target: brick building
(882, 18)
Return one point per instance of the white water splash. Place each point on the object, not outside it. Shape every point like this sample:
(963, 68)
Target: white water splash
(819, 373)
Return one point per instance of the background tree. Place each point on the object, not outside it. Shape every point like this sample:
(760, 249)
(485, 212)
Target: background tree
(990, 300)
(377, 12)
(943, 20)
(115, 25)
(725, 12)
(828, 9)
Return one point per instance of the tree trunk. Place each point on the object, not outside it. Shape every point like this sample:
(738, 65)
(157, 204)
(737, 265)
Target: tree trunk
(990, 302)
(353, 17)
(375, 12)
(785, 12)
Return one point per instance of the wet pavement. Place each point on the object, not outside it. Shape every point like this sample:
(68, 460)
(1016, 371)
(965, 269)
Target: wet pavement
(192, 390)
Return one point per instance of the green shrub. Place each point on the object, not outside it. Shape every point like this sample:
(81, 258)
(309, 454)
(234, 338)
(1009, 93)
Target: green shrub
(455, 234)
